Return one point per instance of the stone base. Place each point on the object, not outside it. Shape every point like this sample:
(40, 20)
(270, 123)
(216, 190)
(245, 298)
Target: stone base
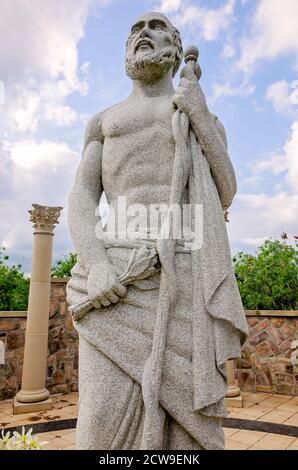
(235, 402)
(20, 408)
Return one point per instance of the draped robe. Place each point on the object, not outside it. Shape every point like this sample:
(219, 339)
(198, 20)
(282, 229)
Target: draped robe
(206, 327)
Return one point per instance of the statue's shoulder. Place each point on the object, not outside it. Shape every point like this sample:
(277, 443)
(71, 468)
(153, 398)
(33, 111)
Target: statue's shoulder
(93, 130)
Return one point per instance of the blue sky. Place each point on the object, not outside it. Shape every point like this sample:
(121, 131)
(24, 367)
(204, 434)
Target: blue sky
(63, 61)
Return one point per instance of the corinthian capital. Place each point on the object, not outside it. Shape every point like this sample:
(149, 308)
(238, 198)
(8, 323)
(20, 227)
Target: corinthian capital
(44, 218)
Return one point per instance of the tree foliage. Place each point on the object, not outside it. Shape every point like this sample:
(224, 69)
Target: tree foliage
(269, 279)
(14, 286)
(63, 267)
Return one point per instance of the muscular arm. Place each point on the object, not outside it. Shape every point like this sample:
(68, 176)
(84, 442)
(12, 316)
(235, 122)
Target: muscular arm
(84, 199)
(210, 134)
(212, 137)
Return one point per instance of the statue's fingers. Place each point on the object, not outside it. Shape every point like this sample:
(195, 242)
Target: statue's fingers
(181, 90)
(112, 297)
(96, 303)
(104, 300)
(83, 301)
(179, 101)
(184, 83)
(120, 290)
(180, 94)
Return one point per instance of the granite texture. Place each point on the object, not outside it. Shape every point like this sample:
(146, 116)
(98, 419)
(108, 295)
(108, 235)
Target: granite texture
(265, 364)
(139, 369)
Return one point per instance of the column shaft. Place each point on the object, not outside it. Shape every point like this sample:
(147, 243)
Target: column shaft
(233, 395)
(36, 344)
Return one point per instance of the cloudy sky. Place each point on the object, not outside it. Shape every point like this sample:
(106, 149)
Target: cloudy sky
(63, 60)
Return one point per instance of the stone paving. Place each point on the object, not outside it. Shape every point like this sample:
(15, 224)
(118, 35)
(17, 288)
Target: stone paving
(279, 409)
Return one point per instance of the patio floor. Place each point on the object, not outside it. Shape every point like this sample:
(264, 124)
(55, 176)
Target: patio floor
(258, 407)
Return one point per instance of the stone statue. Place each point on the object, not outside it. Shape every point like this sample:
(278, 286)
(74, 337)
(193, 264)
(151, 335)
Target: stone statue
(158, 316)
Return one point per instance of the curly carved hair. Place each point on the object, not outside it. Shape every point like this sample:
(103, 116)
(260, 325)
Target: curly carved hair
(179, 47)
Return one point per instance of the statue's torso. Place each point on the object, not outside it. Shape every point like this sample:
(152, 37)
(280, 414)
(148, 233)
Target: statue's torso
(138, 151)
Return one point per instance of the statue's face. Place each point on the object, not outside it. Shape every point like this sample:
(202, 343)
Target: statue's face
(150, 50)
(150, 33)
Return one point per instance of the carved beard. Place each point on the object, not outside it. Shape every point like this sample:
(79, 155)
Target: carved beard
(150, 66)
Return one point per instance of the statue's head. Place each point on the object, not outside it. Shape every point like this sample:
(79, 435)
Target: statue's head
(153, 48)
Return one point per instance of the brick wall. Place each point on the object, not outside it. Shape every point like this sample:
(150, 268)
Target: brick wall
(62, 367)
(265, 364)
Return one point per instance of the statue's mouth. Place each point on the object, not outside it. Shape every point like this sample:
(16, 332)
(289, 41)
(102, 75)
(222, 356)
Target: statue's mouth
(144, 42)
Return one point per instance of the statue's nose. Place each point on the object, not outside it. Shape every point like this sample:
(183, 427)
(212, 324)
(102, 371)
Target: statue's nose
(145, 32)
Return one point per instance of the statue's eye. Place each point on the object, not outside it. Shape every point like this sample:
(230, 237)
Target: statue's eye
(136, 30)
(159, 27)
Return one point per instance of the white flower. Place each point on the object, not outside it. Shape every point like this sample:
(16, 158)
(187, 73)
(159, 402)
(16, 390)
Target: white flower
(4, 440)
(24, 441)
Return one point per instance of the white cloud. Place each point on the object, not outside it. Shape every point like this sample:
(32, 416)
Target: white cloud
(280, 95)
(38, 169)
(60, 114)
(275, 164)
(207, 22)
(285, 161)
(269, 214)
(22, 113)
(226, 89)
(255, 217)
(35, 171)
(29, 103)
(273, 33)
(255, 242)
(170, 6)
(42, 40)
(33, 156)
(251, 181)
(291, 153)
(40, 68)
(229, 49)
(258, 108)
(85, 68)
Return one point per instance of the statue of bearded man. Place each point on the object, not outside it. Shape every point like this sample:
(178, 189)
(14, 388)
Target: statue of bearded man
(157, 317)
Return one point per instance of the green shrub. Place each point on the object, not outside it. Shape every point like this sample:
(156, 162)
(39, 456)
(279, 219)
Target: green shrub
(269, 279)
(14, 286)
(63, 266)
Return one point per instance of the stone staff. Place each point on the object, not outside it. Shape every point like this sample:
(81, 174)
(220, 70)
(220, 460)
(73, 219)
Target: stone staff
(151, 379)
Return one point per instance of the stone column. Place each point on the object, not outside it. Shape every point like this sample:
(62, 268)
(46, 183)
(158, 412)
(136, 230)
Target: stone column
(233, 395)
(33, 395)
